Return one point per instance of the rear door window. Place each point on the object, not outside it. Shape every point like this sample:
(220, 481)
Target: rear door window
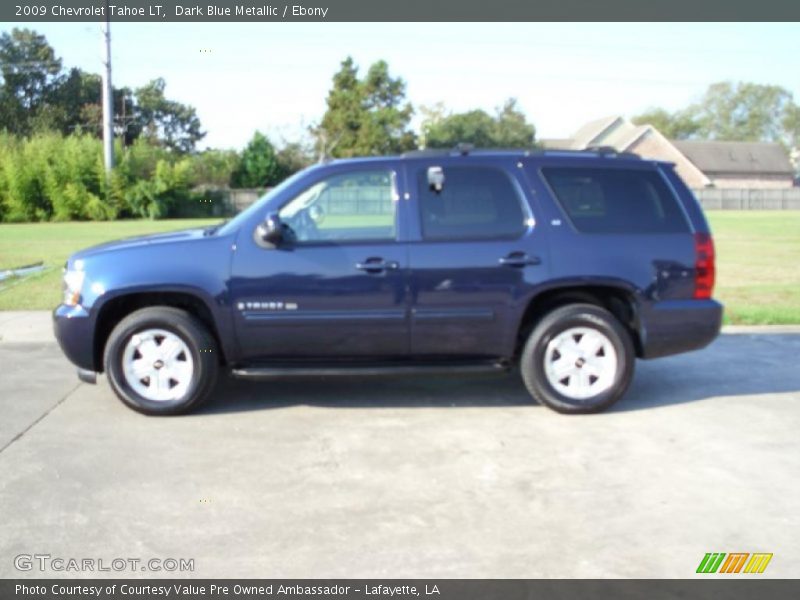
(616, 200)
(472, 203)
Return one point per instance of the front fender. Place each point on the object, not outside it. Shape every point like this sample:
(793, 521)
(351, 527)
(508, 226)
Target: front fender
(196, 268)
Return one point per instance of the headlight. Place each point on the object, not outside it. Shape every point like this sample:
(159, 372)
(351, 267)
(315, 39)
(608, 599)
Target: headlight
(73, 282)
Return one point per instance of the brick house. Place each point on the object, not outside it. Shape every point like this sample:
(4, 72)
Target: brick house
(699, 163)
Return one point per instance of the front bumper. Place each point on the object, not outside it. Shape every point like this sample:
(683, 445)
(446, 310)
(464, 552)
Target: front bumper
(74, 329)
(675, 326)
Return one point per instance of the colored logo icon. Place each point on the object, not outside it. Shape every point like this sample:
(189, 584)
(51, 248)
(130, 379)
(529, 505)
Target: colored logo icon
(734, 562)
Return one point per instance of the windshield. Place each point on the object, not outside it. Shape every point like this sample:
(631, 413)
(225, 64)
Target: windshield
(258, 205)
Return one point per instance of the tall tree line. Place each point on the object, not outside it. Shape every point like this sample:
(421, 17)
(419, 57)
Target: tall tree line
(736, 111)
(37, 94)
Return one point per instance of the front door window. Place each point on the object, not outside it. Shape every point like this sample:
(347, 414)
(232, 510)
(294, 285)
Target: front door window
(348, 207)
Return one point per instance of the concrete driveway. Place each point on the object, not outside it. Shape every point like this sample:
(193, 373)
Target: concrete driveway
(407, 477)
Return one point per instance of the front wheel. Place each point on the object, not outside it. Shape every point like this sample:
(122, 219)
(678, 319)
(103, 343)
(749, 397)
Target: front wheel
(161, 361)
(578, 359)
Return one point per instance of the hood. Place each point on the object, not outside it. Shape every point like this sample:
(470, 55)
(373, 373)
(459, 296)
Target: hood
(171, 237)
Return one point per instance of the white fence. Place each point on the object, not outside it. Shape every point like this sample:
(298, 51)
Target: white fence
(749, 199)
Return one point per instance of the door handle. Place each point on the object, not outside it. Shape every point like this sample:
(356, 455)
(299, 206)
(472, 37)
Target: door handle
(519, 259)
(376, 265)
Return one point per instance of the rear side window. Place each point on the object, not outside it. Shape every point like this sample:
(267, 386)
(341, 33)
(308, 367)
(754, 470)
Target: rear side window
(616, 200)
(472, 203)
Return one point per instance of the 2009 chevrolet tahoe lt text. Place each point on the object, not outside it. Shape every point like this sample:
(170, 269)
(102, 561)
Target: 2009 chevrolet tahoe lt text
(569, 265)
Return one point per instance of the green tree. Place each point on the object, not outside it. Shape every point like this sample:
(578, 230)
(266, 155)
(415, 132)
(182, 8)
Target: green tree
(732, 111)
(474, 127)
(76, 102)
(293, 157)
(170, 123)
(679, 125)
(508, 128)
(36, 95)
(368, 116)
(512, 129)
(743, 111)
(30, 70)
(791, 128)
(791, 125)
(258, 166)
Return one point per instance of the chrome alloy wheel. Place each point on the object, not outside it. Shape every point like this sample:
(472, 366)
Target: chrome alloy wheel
(158, 365)
(580, 363)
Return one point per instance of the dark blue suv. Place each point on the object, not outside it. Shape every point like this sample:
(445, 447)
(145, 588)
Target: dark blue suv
(569, 265)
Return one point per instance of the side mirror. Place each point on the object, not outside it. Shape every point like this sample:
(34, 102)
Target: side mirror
(436, 179)
(270, 231)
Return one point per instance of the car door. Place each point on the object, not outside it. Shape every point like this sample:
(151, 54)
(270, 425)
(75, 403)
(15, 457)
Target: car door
(336, 285)
(474, 258)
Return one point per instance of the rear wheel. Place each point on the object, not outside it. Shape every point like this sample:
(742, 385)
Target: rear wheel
(161, 361)
(578, 359)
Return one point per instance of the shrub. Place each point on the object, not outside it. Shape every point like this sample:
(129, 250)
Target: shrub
(22, 187)
(48, 176)
(214, 168)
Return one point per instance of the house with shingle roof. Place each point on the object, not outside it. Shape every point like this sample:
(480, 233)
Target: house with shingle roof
(740, 164)
(699, 163)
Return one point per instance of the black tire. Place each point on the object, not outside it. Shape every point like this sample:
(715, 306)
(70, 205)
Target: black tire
(201, 346)
(535, 354)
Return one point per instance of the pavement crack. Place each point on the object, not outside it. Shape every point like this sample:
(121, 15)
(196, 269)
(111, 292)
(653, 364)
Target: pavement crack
(41, 418)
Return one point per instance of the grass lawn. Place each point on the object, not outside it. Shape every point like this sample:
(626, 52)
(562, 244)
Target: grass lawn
(758, 260)
(758, 265)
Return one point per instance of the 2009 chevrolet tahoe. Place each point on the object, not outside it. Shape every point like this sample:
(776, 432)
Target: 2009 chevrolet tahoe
(568, 264)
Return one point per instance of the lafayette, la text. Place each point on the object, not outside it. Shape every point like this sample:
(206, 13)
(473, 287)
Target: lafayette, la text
(237, 590)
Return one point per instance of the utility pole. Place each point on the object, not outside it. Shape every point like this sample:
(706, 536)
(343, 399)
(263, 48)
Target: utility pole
(108, 101)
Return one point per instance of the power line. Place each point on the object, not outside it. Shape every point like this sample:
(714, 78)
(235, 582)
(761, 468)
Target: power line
(30, 63)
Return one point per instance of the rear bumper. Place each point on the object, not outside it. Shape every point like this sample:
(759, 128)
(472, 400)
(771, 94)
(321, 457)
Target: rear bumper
(74, 329)
(675, 326)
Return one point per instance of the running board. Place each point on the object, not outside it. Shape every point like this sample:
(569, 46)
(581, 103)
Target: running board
(368, 370)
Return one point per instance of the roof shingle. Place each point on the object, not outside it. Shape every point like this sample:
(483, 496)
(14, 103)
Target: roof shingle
(736, 157)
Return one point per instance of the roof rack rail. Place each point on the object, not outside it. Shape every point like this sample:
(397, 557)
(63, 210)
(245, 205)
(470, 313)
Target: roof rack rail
(460, 149)
(466, 149)
(427, 152)
(610, 151)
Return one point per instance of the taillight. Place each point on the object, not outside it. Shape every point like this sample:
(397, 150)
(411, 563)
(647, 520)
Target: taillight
(704, 270)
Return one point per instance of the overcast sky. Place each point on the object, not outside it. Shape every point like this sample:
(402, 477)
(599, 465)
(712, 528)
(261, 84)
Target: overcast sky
(275, 76)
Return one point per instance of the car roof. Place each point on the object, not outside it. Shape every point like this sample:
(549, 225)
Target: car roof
(591, 153)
